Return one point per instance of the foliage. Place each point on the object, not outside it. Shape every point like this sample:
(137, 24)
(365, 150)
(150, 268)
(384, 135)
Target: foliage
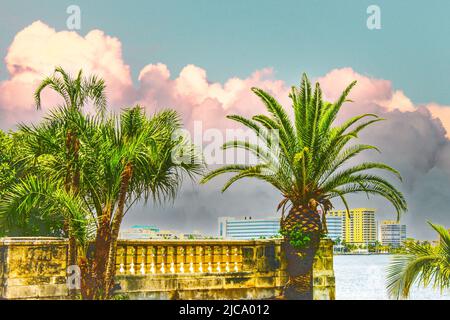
(7, 172)
(307, 158)
(75, 91)
(34, 198)
(88, 171)
(33, 222)
(422, 264)
(297, 238)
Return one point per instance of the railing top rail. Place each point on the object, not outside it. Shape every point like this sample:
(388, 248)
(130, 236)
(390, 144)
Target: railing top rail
(32, 240)
(141, 242)
(195, 242)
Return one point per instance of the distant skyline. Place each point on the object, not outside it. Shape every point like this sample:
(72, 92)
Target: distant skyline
(215, 232)
(201, 58)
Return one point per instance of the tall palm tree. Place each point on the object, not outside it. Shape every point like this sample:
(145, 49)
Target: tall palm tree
(422, 264)
(76, 92)
(132, 158)
(307, 160)
(122, 159)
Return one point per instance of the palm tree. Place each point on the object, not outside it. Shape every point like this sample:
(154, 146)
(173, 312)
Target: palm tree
(422, 264)
(76, 93)
(305, 160)
(133, 158)
(122, 159)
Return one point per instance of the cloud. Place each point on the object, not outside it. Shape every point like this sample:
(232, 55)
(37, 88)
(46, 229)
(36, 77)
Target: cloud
(442, 113)
(38, 49)
(368, 89)
(200, 100)
(414, 138)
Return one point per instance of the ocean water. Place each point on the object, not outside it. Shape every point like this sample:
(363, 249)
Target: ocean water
(363, 277)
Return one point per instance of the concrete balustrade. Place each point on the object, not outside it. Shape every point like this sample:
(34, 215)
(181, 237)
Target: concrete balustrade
(179, 257)
(35, 268)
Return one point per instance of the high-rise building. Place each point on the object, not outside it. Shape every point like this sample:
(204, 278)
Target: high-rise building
(392, 233)
(359, 225)
(335, 226)
(248, 228)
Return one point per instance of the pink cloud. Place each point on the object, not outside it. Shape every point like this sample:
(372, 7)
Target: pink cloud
(367, 89)
(37, 49)
(200, 100)
(442, 113)
(371, 94)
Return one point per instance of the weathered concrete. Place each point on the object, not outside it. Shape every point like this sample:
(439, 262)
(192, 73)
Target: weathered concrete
(324, 281)
(35, 268)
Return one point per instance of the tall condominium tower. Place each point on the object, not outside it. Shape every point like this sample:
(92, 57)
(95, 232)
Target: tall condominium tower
(358, 227)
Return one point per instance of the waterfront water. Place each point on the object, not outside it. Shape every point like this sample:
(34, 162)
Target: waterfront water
(363, 277)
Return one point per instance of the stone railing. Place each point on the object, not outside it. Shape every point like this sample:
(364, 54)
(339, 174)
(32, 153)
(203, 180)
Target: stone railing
(162, 269)
(200, 269)
(183, 257)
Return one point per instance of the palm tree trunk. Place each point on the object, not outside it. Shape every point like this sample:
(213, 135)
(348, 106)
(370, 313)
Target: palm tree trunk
(300, 272)
(115, 228)
(300, 260)
(88, 280)
(102, 244)
(71, 253)
(72, 184)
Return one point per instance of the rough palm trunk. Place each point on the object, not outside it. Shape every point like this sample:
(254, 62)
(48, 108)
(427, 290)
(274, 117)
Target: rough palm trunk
(98, 272)
(99, 261)
(72, 251)
(115, 228)
(300, 260)
(72, 184)
(88, 281)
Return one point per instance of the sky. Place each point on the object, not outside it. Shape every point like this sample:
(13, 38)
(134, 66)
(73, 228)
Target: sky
(202, 57)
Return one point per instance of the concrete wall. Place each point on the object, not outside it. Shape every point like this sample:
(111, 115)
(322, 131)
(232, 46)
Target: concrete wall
(35, 268)
(324, 282)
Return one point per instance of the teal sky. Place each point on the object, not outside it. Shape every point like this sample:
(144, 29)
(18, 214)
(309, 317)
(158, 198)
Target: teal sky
(235, 38)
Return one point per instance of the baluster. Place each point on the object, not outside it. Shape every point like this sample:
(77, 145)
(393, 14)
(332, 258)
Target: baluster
(182, 259)
(227, 258)
(236, 258)
(143, 260)
(209, 259)
(122, 259)
(153, 260)
(218, 257)
(163, 259)
(201, 256)
(133, 251)
(191, 258)
(172, 262)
